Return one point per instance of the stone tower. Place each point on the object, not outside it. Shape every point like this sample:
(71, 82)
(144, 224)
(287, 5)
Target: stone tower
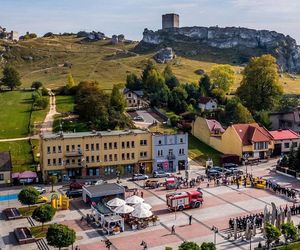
(170, 21)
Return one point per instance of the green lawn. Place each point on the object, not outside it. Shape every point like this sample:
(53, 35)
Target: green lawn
(27, 211)
(64, 103)
(37, 117)
(15, 113)
(292, 246)
(20, 153)
(199, 151)
(39, 231)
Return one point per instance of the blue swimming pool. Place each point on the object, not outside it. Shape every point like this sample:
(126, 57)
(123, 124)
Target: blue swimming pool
(8, 197)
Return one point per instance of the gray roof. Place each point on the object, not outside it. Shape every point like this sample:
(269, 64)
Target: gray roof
(92, 133)
(5, 161)
(104, 190)
(139, 93)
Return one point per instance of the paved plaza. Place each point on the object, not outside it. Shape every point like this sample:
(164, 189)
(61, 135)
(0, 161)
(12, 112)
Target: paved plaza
(220, 204)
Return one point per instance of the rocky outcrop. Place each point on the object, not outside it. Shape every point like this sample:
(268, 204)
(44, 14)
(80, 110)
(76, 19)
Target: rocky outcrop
(91, 36)
(164, 55)
(284, 48)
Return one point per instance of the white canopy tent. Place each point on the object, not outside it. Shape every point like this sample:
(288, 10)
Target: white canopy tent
(141, 213)
(142, 206)
(116, 202)
(134, 200)
(124, 209)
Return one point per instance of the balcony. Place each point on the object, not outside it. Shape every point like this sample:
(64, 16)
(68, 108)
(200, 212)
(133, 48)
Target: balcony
(171, 157)
(73, 154)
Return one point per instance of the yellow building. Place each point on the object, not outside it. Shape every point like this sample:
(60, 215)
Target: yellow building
(245, 140)
(103, 153)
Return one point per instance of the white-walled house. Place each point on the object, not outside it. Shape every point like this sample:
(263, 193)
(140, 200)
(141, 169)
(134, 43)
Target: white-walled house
(170, 152)
(135, 98)
(284, 140)
(207, 103)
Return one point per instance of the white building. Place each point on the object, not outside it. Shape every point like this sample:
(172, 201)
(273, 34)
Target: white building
(284, 140)
(207, 103)
(170, 152)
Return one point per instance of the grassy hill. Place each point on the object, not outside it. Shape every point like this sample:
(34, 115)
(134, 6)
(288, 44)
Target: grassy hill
(44, 59)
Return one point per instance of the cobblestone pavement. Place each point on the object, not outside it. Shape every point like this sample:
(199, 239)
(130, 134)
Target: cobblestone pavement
(220, 204)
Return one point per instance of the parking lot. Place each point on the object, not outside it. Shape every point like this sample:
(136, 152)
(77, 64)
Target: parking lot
(148, 118)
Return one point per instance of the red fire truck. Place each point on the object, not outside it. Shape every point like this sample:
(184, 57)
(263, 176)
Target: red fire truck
(183, 200)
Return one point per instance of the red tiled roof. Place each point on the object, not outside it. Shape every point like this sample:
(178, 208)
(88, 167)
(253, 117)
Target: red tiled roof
(252, 133)
(214, 125)
(284, 134)
(204, 99)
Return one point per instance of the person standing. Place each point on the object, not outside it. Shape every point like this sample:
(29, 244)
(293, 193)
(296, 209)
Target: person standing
(142, 194)
(190, 219)
(173, 230)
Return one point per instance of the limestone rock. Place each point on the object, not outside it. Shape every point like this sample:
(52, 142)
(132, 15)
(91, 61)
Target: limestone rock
(164, 55)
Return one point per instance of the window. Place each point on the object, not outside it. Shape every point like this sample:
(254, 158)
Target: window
(287, 145)
(87, 147)
(105, 157)
(115, 145)
(54, 149)
(116, 157)
(1, 177)
(143, 154)
(97, 158)
(260, 145)
(54, 162)
(132, 144)
(123, 144)
(123, 156)
(295, 144)
(92, 147)
(159, 142)
(67, 162)
(143, 142)
(170, 151)
(97, 146)
(129, 95)
(73, 148)
(128, 144)
(110, 157)
(48, 150)
(93, 158)
(181, 140)
(73, 161)
(181, 151)
(110, 145)
(132, 155)
(109, 170)
(87, 159)
(49, 162)
(160, 152)
(105, 145)
(68, 148)
(59, 162)
(128, 156)
(59, 149)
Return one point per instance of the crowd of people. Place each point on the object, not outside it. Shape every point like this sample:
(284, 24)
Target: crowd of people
(242, 221)
(290, 193)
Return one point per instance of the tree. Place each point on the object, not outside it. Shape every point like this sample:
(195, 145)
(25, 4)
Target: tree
(260, 79)
(272, 233)
(28, 196)
(11, 77)
(189, 245)
(289, 231)
(222, 78)
(170, 79)
(70, 81)
(154, 81)
(177, 101)
(36, 85)
(297, 160)
(53, 180)
(208, 246)
(287, 102)
(192, 91)
(149, 66)
(291, 159)
(205, 85)
(117, 100)
(59, 236)
(43, 213)
(160, 97)
(133, 82)
(235, 112)
(262, 117)
(41, 102)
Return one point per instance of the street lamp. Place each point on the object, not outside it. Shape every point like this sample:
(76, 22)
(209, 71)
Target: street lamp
(215, 230)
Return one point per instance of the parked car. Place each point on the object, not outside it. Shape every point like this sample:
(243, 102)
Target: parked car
(42, 199)
(235, 171)
(159, 174)
(74, 193)
(212, 173)
(76, 185)
(230, 165)
(41, 190)
(138, 118)
(138, 177)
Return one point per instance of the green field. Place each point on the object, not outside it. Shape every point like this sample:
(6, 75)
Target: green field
(20, 153)
(201, 152)
(108, 64)
(15, 113)
(64, 103)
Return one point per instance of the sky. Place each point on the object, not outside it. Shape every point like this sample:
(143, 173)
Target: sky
(130, 17)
